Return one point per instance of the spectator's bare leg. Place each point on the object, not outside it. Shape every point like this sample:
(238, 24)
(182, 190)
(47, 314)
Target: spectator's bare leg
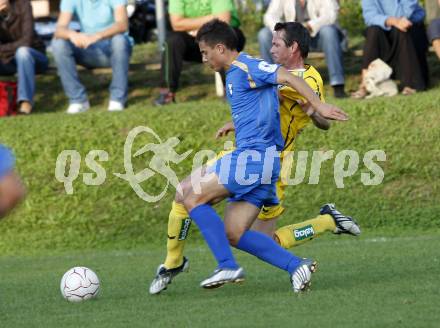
(361, 92)
(436, 45)
(25, 107)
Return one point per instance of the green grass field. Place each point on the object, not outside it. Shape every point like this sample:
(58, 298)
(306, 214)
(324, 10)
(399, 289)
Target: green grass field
(375, 281)
(386, 278)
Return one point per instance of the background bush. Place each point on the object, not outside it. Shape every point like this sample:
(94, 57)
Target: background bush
(350, 17)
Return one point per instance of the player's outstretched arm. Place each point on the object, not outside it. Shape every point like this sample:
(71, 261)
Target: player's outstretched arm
(224, 130)
(326, 110)
(319, 121)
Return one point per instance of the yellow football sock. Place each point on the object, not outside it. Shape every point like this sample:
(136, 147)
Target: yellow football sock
(295, 234)
(178, 228)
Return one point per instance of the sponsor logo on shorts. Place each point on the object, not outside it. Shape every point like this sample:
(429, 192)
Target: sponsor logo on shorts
(304, 233)
(186, 224)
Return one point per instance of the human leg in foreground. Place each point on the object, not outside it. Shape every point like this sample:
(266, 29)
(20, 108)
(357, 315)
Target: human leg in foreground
(11, 188)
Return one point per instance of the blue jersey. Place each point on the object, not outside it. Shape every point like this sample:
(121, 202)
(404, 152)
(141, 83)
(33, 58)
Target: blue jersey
(251, 90)
(7, 160)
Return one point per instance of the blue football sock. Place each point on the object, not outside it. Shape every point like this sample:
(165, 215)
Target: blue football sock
(266, 249)
(213, 230)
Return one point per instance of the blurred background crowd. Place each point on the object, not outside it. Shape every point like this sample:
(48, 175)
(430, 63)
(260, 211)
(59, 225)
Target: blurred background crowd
(37, 35)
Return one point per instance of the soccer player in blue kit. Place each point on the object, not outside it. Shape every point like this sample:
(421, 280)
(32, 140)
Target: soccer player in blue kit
(11, 188)
(248, 174)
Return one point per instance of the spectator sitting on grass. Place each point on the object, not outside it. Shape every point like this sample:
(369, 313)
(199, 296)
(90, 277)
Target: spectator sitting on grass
(102, 42)
(434, 28)
(320, 19)
(21, 51)
(186, 17)
(396, 34)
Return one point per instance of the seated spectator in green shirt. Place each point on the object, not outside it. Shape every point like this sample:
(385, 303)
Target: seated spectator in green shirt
(186, 17)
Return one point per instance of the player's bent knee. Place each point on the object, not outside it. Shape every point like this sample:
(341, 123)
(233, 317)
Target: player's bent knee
(234, 235)
(233, 238)
(191, 200)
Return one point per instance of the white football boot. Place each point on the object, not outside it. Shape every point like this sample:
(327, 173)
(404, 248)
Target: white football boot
(301, 277)
(344, 224)
(223, 276)
(164, 276)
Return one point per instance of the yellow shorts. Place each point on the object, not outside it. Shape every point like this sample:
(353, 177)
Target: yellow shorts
(267, 212)
(271, 212)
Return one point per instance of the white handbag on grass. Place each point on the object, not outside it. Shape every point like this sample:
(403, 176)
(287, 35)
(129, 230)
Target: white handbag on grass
(377, 80)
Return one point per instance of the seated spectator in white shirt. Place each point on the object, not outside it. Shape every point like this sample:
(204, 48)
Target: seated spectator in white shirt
(320, 18)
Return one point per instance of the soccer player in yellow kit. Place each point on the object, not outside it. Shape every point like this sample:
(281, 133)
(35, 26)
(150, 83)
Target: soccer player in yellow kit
(290, 47)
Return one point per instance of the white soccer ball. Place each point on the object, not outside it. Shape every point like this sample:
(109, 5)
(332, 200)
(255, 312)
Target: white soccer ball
(79, 284)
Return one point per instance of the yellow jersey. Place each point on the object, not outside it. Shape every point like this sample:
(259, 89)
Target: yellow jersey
(292, 117)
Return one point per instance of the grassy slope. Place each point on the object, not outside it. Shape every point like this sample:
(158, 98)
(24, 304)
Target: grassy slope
(370, 285)
(379, 281)
(111, 215)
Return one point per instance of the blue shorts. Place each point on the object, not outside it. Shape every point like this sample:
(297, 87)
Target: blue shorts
(7, 161)
(249, 175)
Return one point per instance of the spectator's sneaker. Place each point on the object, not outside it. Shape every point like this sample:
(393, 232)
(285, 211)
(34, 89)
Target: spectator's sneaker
(76, 108)
(301, 277)
(164, 276)
(165, 98)
(115, 106)
(344, 224)
(223, 276)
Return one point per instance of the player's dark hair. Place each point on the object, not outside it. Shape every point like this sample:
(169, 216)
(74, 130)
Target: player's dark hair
(295, 32)
(217, 31)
